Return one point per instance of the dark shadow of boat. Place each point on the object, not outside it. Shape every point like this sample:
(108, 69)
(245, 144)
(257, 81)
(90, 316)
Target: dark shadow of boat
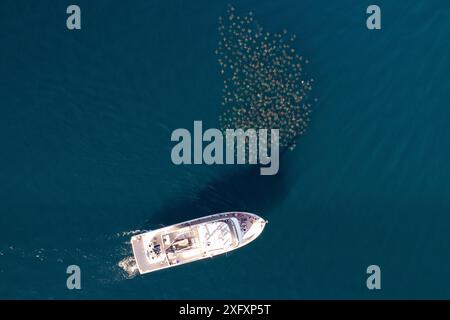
(242, 190)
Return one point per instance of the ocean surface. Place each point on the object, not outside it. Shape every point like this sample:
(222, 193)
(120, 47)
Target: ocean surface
(85, 124)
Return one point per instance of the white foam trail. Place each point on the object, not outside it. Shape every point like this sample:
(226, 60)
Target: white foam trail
(128, 264)
(86, 250)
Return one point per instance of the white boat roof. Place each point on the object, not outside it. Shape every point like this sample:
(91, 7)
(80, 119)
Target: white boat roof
(215, 236)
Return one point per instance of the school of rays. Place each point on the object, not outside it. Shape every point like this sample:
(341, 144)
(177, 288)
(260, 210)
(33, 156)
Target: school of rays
(264, 85)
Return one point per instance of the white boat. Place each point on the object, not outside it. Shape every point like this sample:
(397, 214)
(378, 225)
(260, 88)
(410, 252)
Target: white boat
(195, 240)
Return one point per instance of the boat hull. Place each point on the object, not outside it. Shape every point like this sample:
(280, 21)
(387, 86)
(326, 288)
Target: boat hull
(195, 240)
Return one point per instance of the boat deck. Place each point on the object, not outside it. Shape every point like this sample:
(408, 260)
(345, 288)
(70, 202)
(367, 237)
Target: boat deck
(193, 240)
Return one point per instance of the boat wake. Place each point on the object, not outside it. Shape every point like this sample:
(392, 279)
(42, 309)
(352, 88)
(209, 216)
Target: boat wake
(99, 261)
(128, 265)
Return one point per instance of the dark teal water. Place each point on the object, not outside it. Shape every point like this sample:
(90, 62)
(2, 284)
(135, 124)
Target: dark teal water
(85, 123)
